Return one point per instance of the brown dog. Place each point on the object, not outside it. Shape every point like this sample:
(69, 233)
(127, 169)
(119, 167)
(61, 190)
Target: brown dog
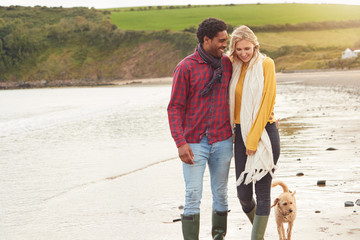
(285, 210)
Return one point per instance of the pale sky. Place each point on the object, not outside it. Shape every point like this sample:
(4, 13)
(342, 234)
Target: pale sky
(133, 3)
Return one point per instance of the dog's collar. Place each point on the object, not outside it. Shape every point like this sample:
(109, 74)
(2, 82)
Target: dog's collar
(283, 214)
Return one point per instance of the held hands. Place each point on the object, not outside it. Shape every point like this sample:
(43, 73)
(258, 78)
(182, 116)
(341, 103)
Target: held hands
(185, 153)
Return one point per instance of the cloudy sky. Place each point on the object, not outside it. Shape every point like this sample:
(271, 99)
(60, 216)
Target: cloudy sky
(133, 3)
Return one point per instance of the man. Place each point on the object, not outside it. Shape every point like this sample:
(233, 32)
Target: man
(199, 122)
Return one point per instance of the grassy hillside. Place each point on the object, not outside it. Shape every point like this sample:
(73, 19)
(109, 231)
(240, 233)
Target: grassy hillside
(252, 14)
(81, 46)
(297, 36)
(310, 49)
(341, 38)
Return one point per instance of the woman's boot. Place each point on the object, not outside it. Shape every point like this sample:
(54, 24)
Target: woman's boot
(251, 214)
(259, 226)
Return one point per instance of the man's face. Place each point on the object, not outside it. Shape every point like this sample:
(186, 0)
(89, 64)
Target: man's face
(216, 46)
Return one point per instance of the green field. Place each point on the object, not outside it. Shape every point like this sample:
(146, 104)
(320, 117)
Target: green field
(250, 14)
(341, 38)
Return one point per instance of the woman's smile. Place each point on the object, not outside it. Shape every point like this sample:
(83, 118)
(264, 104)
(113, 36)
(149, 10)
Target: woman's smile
(244, 50)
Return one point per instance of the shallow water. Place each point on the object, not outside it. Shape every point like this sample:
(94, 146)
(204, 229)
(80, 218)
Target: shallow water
(58, 140)
(60, 149)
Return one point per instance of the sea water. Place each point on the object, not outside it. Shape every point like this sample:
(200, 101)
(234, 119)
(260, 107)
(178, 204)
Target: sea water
(57, 140)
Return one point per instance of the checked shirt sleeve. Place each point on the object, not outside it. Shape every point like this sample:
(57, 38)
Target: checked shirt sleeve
(177, 104)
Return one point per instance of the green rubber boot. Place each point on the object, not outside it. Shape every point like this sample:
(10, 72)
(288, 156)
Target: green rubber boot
(251, 214)
(190, 226)
(259, 226)
(219, 225)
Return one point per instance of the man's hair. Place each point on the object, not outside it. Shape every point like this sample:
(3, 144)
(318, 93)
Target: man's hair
(210, 28)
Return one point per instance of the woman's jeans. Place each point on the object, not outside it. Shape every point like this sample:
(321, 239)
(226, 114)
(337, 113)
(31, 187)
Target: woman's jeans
(263, 186)
(218, 157)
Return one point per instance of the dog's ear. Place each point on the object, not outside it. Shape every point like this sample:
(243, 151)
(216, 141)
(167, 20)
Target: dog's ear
(275, 202)
(293, 193)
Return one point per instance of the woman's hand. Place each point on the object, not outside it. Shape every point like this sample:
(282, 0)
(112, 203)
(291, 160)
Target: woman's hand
(278, 123)
(250, 152)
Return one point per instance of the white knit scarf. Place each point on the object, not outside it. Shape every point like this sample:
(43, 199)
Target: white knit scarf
(260, 163)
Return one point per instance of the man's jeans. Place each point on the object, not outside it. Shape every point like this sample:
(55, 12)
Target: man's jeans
(218, 156)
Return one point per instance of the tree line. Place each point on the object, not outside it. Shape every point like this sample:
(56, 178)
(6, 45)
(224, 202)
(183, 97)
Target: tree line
(307, 26)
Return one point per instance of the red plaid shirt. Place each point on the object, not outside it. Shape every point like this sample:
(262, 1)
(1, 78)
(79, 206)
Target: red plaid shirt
(191, 115)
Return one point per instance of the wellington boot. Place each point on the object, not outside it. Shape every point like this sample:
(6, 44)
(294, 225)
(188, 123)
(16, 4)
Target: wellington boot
(190, 226)
(259, 226)
(219, 225)
(251, 214)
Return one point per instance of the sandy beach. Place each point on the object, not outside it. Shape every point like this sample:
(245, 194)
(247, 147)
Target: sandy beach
(119, 196)
(328, 113)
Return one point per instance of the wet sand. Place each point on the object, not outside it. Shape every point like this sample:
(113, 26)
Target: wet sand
(325, 113)
(328, 114)
(317, 111)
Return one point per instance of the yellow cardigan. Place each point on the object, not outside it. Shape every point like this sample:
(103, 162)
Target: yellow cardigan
(266, 111)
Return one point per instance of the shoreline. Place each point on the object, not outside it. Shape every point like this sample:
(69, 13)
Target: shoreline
(329, 79)
(309, 77)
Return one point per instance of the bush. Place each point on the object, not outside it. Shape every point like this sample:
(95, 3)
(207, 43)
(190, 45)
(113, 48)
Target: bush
(344, 63)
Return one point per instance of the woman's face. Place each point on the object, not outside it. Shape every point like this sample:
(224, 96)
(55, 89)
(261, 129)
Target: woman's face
(244, 50)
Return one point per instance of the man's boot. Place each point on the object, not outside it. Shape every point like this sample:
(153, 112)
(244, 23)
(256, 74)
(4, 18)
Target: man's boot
(219, 225)
(190, 226)
(259, 226)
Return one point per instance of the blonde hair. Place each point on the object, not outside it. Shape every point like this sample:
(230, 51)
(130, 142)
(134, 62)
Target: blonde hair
(243, 33)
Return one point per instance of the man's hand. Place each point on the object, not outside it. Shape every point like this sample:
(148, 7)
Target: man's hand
(185, 153)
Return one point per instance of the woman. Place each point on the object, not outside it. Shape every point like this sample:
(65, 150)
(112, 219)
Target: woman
(252, 92)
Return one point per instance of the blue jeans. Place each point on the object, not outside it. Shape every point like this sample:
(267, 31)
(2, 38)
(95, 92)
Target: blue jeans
(218, 157)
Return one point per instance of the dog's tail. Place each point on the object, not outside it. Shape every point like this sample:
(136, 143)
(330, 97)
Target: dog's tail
(282, 184)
